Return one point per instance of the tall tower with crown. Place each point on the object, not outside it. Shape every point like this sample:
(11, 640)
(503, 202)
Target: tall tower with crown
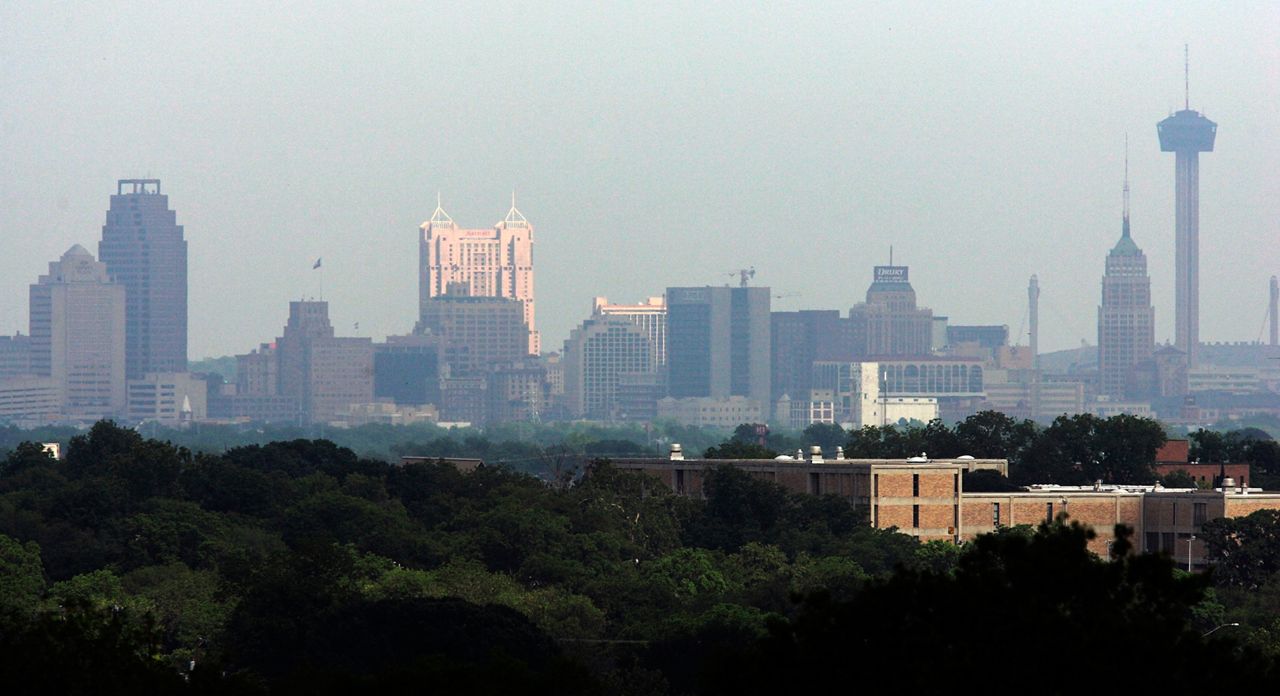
(1126, 319)
(494, 262)
(1187, 133)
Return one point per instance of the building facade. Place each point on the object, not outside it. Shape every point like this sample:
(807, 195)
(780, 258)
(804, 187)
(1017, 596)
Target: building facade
(486, 263)
(889, 324)
(1126, 319)
(798, 340)
(597, 355)
(650, 316)
(78, 335)
(324, 372)
(171, 399)
(476, 332)
(718, 343)
(144, 250)
(15, 356)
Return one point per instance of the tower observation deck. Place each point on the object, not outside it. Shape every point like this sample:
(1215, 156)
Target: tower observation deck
(1187, 133)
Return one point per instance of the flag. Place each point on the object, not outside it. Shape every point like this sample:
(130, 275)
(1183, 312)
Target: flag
(315, 265)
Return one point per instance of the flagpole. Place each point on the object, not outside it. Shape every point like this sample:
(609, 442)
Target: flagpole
(319, 266)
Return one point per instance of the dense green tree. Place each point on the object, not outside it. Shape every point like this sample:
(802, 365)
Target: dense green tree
(1037, 596)
(994, 435)
(1245, 551)
(828, 436)
(735, 449)
(21, 580)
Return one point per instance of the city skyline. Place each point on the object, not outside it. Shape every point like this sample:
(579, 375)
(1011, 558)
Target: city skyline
(931, 152)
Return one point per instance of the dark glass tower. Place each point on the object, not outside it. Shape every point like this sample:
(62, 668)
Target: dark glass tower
(718, 342)
(144, 250)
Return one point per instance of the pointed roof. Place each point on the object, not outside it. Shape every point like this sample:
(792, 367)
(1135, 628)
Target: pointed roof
(77, 250)
(439, 217)
(515, 217)
(1126, 246)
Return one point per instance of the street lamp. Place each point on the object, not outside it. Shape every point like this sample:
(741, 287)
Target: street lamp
(1215, 628)
(1189, 540)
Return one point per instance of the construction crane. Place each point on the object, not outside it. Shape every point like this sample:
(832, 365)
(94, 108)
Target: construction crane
(743, 275)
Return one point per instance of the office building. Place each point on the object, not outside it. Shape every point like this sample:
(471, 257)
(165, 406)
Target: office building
(650, 316)
(476, 332)
(325, 373)
(15, 356)
(171, 399)
(889, 324)
(29, 401)
(1187, 133)
(718, 343)
(406, 370)
(78, 335)
(144, 250)
(479, 262)
(797, 340)
(517, 392)
(597, 355)
(1126, 319)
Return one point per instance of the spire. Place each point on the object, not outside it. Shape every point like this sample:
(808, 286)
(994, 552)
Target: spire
(1124, 231)
(1186, 76)
(514, 217)
(439, 217)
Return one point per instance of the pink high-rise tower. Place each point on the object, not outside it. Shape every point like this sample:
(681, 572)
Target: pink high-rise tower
(494, 262)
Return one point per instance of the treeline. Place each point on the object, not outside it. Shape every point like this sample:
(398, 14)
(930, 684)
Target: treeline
(300, 567)
(1072, 450)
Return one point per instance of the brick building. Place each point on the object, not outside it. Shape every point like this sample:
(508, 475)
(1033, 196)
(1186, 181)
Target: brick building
(926, 499)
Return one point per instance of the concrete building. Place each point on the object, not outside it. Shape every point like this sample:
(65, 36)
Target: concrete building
(711, 412)
(718, 343)
(889, 324)
(517, 392)
(650, 316)
(1187, 133)
(476, 332)
(487, 263)
(78, 335)
(854, 389)
(29, 401)
(144, 250)
(324, 372)
(1126, 319)
(15, 356)
(170, 399)
(596, 356)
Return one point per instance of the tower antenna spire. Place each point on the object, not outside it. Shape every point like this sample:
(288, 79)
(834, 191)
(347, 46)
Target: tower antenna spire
(1186, 76)
(1125, 230)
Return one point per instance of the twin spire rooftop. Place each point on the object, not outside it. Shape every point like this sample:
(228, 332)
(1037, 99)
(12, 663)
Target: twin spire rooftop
(514, 217)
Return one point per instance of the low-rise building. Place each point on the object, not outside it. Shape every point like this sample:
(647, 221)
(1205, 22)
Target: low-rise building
(925, 498)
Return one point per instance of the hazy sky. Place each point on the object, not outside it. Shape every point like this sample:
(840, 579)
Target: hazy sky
(662, 145)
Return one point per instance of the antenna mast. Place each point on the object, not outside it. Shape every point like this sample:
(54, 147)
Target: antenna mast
(1126, 183)
(1186, 76)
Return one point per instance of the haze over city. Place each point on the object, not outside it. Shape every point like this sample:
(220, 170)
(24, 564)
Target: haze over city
(650, 147)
